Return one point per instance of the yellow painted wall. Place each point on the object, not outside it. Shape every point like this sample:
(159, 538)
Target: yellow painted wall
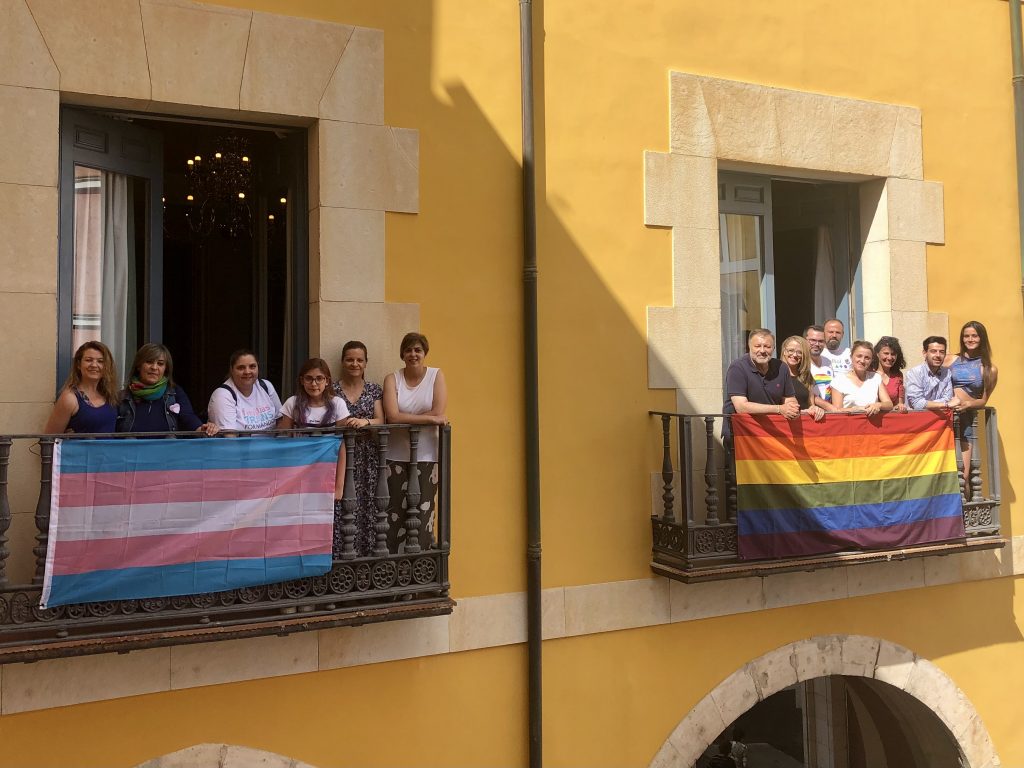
(610, 699)
(452, 73)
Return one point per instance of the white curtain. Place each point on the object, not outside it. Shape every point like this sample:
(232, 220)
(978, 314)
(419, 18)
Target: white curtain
(824, 277)
(103, 262)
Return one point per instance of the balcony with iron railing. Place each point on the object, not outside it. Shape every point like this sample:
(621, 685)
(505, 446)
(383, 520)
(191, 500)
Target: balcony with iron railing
(386, 585)
(694, 517)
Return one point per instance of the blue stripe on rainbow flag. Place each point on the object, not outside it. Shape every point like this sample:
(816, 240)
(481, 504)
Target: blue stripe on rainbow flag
(185, 579)
(848, 518)
(161, 454)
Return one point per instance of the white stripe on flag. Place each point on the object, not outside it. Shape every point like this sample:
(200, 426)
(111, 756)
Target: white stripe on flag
(127, 520)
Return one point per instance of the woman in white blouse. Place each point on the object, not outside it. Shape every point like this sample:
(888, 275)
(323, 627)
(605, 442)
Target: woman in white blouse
(416, 395)
(860, 389)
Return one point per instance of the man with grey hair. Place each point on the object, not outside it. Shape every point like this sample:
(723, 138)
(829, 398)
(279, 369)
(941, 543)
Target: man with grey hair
(758, 383)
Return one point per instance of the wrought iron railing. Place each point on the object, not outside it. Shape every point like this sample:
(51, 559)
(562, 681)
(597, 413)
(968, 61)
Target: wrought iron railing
(694, 516)
(358, 589)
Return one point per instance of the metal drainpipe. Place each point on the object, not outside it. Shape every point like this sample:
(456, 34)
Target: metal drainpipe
(532, 396)
(1018, 120)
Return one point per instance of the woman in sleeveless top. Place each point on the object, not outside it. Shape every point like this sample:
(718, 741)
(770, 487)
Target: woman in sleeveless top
(889, 362)
(415, 395)
(860, 389)
(974, 377)
(364, 401)
(87, 402)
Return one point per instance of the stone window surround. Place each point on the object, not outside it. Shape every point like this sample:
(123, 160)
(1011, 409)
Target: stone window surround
(716, 123)
(186, 58)
(851, 655)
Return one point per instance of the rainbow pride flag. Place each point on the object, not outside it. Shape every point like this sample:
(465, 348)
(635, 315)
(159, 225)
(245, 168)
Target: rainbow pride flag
(848, 482)
(156, 518)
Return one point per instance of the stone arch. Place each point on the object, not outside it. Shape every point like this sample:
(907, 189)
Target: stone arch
(849, 655)
(222, 756)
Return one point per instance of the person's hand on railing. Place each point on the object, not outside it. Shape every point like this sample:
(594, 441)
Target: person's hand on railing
(790, 408)
(353, 423)
(209, 429)
(815, 412)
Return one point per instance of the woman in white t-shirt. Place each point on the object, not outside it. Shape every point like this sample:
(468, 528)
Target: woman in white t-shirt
(316, 405)
(415, 395)
(245, 401)
(860, 389)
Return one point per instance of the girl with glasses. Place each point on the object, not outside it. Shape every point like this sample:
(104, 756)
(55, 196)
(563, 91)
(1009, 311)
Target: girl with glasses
(314, 403)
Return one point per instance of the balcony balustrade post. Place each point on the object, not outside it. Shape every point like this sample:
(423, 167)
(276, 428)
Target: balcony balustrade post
(710, 476)
(349, 502)
(5, 507)
(43, 506)
(992, 449)
(444, 490)
(685, 427)
(382, 499)
(412, 495)
(729, 471)
(667, 496)
(974, 470)
(959, 457)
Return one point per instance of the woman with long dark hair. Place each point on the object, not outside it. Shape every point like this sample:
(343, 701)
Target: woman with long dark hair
(363, 400)
(152, 402)
(314, 403)
(974, 378)
(889, 362)
(88, 400)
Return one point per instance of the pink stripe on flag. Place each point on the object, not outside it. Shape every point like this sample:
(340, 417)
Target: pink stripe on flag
(108, 489)
(172, 549)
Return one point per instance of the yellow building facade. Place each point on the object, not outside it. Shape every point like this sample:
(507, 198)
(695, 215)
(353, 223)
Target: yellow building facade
(412, 117)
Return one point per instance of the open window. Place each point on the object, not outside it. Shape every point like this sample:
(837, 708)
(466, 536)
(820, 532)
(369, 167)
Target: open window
(192, 234)
(785, 256)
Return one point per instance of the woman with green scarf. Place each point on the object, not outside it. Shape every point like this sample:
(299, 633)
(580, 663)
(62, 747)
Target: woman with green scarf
(152, 402)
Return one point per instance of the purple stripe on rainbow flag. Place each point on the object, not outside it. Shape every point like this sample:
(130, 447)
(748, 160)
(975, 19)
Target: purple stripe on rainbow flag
(158, 518)
(766, 545)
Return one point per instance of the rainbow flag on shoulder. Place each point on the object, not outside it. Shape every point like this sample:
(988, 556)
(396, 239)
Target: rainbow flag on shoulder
(848, 482)
(164, 517)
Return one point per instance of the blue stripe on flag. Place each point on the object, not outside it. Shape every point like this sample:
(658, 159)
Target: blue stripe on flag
(846, 518)
(186, 579)
(162, 454)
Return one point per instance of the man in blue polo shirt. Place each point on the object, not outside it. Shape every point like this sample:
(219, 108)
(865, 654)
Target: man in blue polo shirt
(758, 383)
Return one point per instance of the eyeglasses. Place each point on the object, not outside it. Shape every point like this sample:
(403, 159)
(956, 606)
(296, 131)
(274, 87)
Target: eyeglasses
(314, 379)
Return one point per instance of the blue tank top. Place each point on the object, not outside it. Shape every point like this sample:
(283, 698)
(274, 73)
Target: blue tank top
(92, 418)
(967, 375)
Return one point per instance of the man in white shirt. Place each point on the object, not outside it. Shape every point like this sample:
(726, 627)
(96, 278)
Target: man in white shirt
(838, 358)
(821, 371)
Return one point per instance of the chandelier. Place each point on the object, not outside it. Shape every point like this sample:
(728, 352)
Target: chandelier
(219, 190)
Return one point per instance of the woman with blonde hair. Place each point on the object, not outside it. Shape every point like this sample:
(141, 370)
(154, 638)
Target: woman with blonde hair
(87, 403)
(796, 354)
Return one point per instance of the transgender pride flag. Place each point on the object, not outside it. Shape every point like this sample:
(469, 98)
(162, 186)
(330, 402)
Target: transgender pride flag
(848, 482)
(161, 517)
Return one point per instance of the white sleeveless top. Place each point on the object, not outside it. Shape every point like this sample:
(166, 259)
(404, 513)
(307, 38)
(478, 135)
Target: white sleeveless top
(417, 400)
